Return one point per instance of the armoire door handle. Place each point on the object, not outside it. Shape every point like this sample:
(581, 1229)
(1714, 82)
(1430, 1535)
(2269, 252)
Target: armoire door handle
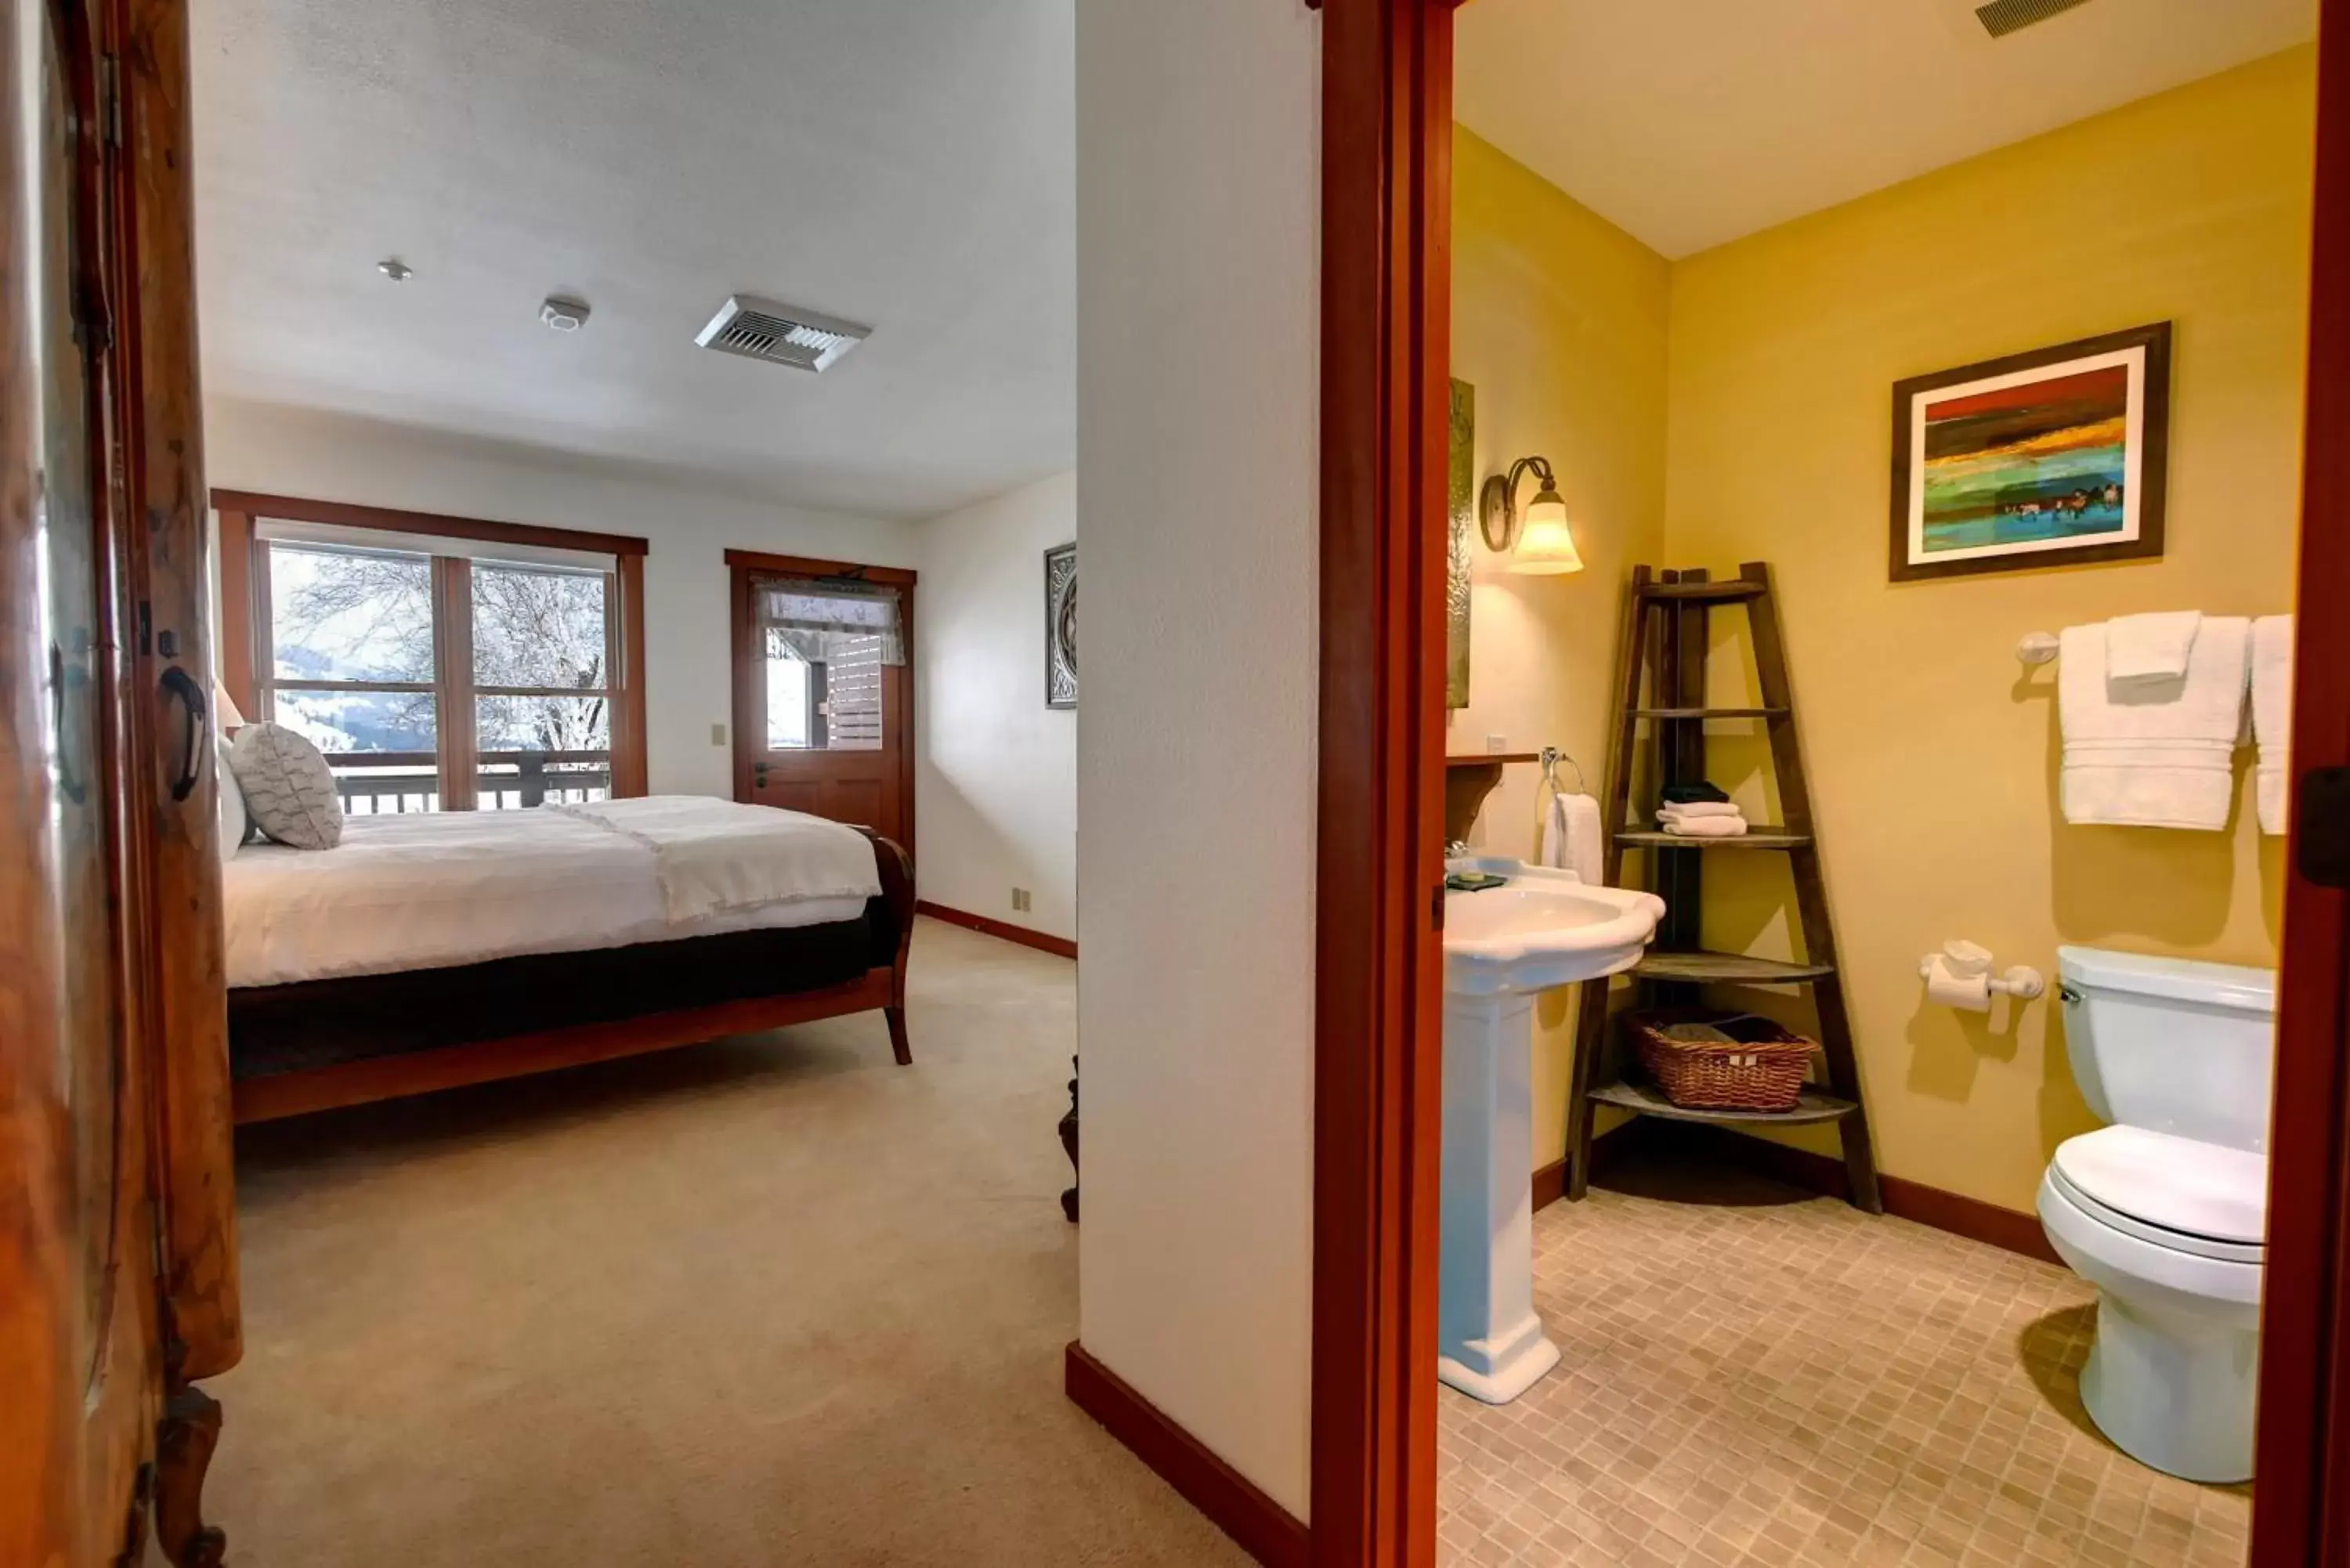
(179, 683)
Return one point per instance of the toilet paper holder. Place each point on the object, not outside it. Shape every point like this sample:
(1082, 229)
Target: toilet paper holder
(1966, 980)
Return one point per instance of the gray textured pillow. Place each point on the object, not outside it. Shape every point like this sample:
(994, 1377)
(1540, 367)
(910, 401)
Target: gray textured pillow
(288, 788)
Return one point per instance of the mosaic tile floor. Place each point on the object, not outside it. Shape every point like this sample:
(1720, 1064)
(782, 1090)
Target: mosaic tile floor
(1777, 1380)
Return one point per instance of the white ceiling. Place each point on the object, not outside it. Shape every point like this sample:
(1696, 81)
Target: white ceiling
(1690, 123)
(906, 163)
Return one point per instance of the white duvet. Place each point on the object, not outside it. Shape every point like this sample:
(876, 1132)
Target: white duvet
(434, 889)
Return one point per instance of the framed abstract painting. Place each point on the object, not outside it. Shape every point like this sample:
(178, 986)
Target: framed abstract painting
(2054, 458)
(1061, 626)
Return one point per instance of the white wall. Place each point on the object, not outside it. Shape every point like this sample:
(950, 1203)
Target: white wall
(995, 781)
(1198, 196)
(688, 672)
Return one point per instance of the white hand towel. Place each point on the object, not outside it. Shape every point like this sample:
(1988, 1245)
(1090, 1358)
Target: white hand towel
(1685, 811)
(2147, 648)
(1707, 827)
(2158, 758)
(1570, 838)
(2273, 716)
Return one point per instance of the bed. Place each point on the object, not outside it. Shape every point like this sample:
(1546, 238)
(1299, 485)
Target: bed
(435, 949)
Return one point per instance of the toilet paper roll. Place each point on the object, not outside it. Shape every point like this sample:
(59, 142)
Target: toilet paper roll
(1970, 993)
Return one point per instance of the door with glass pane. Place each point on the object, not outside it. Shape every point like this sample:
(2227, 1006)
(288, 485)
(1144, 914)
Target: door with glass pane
(824, 691)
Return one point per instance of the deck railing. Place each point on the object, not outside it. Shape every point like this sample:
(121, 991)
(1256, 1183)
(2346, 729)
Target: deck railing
(388, 783)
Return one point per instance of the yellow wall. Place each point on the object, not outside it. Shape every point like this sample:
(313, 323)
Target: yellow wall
(1932, 752)
(1559, 322)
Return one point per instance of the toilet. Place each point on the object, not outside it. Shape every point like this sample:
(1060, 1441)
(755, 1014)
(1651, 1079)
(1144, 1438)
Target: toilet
(2166, 1211)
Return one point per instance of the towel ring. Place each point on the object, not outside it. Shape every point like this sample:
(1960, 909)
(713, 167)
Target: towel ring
(1551, 757)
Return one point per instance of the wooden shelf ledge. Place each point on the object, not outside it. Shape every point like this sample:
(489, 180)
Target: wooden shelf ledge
(1730, 968)
(1752, 838)
(1650, 1101)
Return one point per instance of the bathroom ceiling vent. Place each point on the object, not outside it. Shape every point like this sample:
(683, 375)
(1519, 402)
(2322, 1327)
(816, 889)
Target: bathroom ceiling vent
(2001, 17)
(780, 334)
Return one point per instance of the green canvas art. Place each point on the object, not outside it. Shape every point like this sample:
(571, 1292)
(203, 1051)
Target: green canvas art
(1460, 503)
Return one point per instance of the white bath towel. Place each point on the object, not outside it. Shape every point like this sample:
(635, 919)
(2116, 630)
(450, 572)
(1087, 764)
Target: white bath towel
(1685, 811)
(2160, 757)
(1569, 837)
(1707, 827)
(2273, 716)
(2145, 647)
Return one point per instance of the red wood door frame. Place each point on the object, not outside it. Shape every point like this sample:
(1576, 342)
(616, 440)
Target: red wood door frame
(1387, 105)
(2301, 1498)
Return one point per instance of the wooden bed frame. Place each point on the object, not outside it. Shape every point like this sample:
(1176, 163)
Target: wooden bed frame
(479, 1062)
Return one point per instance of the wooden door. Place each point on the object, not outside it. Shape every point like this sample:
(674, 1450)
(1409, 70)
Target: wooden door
(116, 1239)
(81, 1374)
(824, 723)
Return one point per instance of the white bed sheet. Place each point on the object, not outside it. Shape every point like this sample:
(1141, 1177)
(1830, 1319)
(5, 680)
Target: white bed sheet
(435, 889)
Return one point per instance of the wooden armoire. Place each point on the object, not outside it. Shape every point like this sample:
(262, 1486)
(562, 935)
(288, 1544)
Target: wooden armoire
(118, 1235)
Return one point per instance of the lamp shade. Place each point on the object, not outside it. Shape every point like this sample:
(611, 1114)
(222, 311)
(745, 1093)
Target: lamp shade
(1545, 544)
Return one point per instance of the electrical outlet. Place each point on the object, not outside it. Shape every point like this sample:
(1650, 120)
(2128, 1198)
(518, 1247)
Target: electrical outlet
(717, 734)
(1496, 744)
(1020, 900)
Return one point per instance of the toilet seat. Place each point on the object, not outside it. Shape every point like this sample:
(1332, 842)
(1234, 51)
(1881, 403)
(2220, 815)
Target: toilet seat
(2205, 1200)
(2144, 1259)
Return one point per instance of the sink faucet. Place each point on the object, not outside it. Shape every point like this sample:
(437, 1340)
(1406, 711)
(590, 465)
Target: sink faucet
(1454, 848)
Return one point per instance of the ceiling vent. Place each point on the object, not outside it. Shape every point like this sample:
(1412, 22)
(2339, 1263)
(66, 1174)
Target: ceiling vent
(780, 334)
(2001, 17)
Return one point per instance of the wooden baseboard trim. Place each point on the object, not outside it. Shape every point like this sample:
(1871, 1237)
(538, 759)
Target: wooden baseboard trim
(1265, 1531)
(1060, 947)
(2006, 1229)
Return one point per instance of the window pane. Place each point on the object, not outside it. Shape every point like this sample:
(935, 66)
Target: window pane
(380, 746)
(852, 707)
(349, 615)
(361, 720)
(828, 703)
(534, 749)
(537, 625)
(788, 705)
(542, 724)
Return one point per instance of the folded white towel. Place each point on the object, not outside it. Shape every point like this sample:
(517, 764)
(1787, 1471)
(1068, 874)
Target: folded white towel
(1707, 827)
(1570, 838)
(2158, 757)
(2142, 647)
(1685, 811)
(2273, 716)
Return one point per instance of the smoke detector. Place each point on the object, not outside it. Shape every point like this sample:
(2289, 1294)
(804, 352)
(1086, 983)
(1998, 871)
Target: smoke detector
(780, 334)
(562, 315)
(2001, 17)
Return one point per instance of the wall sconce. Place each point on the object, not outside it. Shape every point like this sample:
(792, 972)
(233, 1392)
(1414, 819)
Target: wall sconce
(1545, 546)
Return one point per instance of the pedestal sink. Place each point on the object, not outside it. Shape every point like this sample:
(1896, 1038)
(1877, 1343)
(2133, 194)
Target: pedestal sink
(1501, 947)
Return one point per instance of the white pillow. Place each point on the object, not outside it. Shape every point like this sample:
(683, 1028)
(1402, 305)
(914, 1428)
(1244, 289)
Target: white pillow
(234, 823)
(288, 787)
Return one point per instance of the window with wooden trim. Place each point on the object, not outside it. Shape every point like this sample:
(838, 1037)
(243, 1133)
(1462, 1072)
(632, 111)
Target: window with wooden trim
(441, 663)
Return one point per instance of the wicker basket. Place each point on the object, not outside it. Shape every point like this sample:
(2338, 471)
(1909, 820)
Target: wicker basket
(1721, 1060)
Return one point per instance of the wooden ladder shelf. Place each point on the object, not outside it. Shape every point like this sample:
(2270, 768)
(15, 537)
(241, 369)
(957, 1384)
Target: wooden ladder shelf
(1663, 654)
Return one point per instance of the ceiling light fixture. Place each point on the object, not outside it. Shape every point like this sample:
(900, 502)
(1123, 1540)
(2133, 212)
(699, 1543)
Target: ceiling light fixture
(1545, 545)
(562, 315)
(395, 269)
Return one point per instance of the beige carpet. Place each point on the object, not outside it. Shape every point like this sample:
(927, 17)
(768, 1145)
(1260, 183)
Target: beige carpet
(770, 1302)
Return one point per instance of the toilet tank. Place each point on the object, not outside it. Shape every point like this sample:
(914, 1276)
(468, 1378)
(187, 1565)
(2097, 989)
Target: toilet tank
(2172, 1045)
